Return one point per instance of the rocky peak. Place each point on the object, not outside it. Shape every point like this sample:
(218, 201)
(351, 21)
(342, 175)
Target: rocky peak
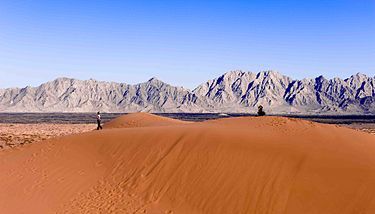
(234, 91)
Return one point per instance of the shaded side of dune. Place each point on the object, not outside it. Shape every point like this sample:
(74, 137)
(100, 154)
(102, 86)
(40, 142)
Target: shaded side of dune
(259, 165)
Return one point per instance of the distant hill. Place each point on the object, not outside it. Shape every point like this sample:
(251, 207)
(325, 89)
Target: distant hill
(235, 91)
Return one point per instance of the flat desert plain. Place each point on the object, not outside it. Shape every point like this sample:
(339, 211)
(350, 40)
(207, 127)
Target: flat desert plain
(14, 135)
(142, 163)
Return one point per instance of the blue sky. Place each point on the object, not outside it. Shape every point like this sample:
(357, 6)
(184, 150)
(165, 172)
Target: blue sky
(183, 42)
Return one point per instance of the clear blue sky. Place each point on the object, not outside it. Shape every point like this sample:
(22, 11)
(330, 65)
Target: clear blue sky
(183, 42)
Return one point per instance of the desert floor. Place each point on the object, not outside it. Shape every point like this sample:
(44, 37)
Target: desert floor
(365, 127)
(13, 135)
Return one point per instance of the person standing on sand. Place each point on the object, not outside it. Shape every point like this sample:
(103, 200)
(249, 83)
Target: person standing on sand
(98, 120)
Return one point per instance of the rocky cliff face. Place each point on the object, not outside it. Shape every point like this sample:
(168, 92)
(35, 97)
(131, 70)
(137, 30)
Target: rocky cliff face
(352, 95)
(235, 91)
(70, 95)
(239, 91)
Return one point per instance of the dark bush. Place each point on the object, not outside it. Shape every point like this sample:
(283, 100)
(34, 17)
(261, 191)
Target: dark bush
(260, 111)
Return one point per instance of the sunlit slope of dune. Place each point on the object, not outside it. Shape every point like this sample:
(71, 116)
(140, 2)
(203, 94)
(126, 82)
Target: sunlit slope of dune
(141, 119)
(235, 165)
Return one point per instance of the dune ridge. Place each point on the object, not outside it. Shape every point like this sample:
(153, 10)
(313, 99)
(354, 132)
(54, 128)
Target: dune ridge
(141, 119)
(232, 165)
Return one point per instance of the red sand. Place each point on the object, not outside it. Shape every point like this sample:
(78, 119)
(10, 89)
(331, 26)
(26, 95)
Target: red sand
(141, 120)
(235, 165)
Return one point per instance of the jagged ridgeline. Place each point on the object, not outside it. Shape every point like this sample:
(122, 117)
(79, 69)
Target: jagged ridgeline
(235, 91)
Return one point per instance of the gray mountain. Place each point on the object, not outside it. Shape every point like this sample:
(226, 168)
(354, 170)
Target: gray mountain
(71, 95)
(235, 91)
(239, 91)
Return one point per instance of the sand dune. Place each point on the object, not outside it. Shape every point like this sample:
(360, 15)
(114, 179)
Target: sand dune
(141, 119)
(233, 165)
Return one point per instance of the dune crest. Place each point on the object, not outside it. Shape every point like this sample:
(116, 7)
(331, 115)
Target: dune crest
(234, 165)
(141, 119)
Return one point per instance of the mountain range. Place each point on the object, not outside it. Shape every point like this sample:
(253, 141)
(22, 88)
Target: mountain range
(234, 92)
